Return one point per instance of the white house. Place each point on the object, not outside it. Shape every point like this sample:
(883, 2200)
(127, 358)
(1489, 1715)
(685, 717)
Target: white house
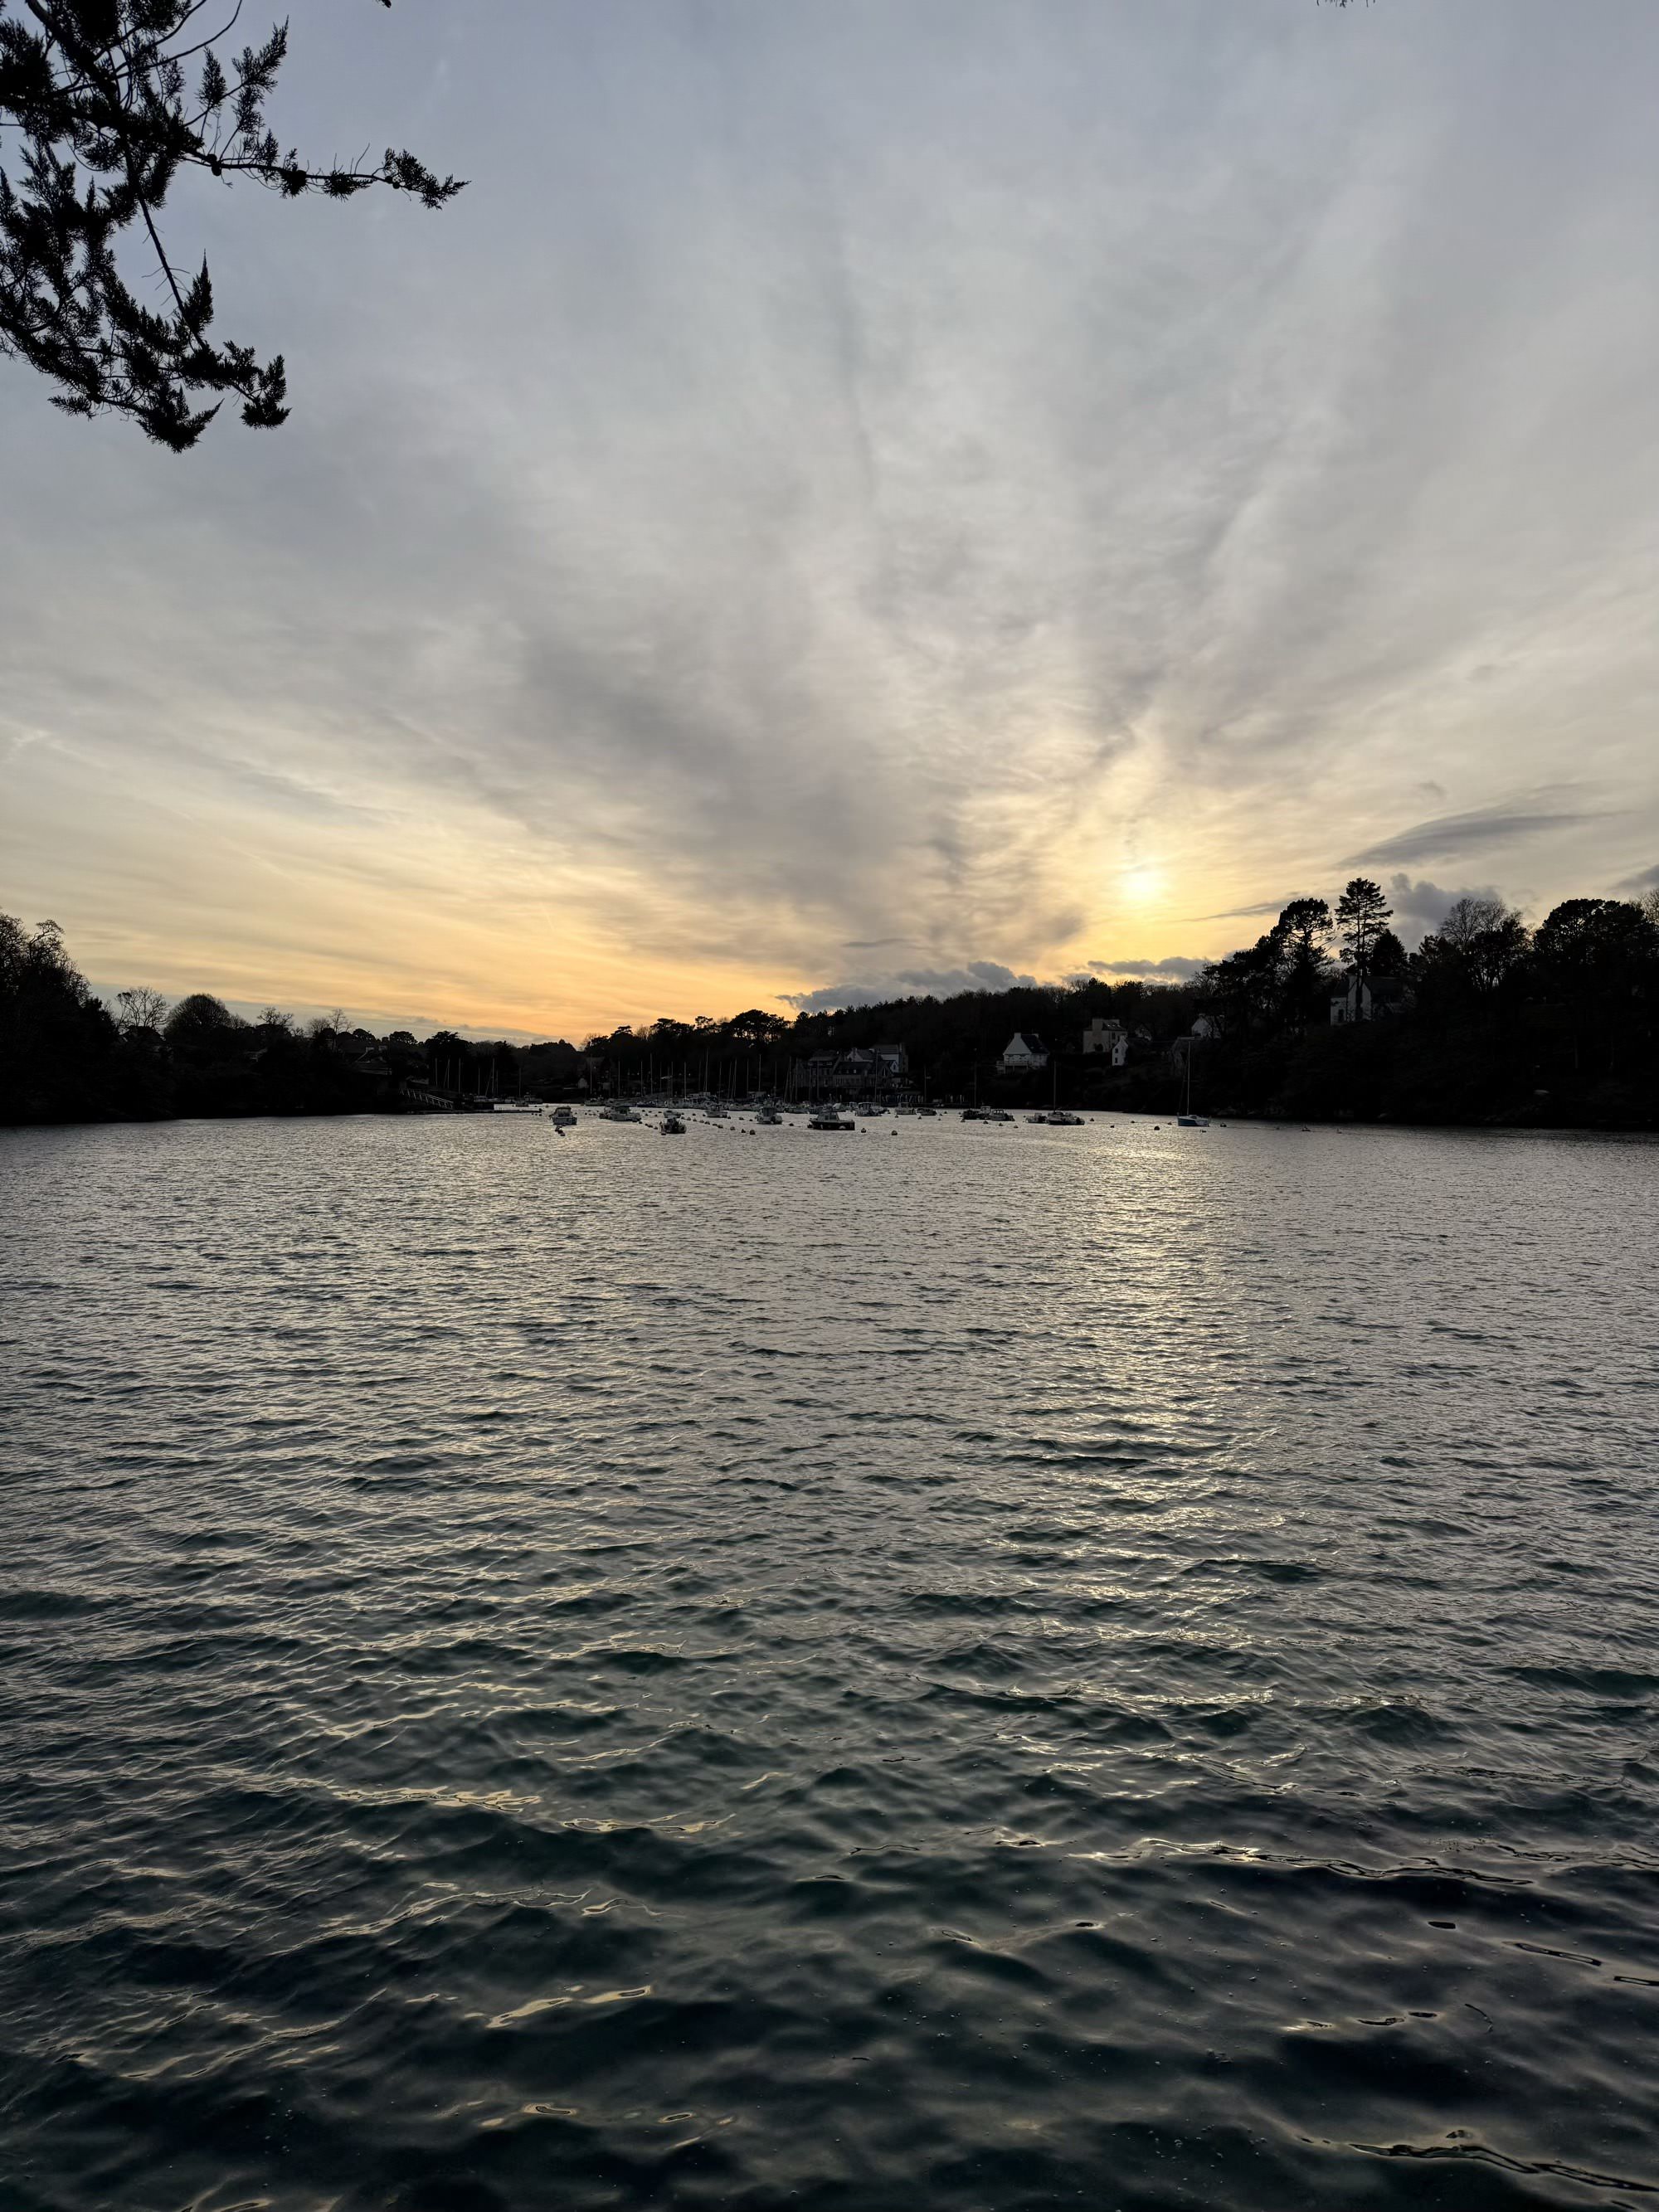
(1023, 1053)
(1204, 1030)
(1368, 998)
(1109, 1037)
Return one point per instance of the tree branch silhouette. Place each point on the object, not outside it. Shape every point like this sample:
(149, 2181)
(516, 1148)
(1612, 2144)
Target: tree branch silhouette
(95, 91)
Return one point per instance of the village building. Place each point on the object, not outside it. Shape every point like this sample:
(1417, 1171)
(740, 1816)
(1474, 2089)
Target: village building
(1023, 1054)
(864, 1071)
(1204, 1030)
(1107, 1037)
(1368, 998)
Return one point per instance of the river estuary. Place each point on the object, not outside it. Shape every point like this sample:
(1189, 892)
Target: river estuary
(949, 1669)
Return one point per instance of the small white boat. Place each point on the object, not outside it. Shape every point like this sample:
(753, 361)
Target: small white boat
(1187, 1119)
(1060, 1119)
(564, 1115)
(770, 1115)
(619, 1113)
(826, 1119)
(672, 1126)
(994, 1114)
(926, 1113)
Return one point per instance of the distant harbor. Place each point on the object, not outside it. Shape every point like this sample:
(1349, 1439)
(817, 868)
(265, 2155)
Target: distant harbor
(1486, 1023)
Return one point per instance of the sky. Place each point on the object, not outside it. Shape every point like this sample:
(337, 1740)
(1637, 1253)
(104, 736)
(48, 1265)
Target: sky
(856, 499)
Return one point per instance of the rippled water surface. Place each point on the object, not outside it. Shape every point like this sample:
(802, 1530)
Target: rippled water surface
(952, 1668)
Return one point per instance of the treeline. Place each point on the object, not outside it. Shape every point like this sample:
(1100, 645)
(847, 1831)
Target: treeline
(65, 1057)
(1487, 1021)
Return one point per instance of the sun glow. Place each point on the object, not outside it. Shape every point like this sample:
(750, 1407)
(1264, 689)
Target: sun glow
(1141, 885)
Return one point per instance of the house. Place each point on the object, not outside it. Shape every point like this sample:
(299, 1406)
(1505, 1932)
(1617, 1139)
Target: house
(1369, 998)
(1023, 1054)
(1109, 1037)
(865, 1072)
(875, 1066)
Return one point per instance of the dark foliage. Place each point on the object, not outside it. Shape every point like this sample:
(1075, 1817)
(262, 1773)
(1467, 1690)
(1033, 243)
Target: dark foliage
(108, 100)
(1486, 1023)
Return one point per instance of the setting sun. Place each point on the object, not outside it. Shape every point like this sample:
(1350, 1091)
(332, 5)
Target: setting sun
(1141, 885)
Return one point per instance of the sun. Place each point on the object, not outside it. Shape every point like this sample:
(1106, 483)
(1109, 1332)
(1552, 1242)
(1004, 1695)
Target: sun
(1142, 885)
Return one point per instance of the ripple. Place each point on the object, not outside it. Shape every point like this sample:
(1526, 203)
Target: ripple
(1007, 1676)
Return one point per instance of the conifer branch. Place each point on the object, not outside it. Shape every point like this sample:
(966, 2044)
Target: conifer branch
(96, 91)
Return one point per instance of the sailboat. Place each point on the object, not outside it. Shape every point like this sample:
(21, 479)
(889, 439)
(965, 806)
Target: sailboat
(1187, 1119)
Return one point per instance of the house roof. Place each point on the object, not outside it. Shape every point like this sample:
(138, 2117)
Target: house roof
(1381, 987)
(1028, 1038)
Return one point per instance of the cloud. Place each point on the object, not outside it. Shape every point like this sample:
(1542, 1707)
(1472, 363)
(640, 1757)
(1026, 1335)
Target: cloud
(844, 484)
(1175, 966)
(1247, 913)
(1644, 879)
(910, 983)
(1421, 906)
(1449, 835)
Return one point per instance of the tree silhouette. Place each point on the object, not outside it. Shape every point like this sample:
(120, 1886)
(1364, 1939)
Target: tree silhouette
(141, 1008)
(1363, 913)
(98, 91)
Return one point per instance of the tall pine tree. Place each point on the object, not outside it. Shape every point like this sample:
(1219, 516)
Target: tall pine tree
(1362, 915)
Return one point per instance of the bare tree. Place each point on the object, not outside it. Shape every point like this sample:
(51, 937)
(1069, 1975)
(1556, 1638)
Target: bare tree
(140, 1009)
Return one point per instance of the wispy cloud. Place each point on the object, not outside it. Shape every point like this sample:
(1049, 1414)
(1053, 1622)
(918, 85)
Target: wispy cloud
(1449, 835)
(897, 472)
(1175, 966)
(1261, 907)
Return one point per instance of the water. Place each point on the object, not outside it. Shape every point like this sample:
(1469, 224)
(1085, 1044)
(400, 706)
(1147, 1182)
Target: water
(969, 1669)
